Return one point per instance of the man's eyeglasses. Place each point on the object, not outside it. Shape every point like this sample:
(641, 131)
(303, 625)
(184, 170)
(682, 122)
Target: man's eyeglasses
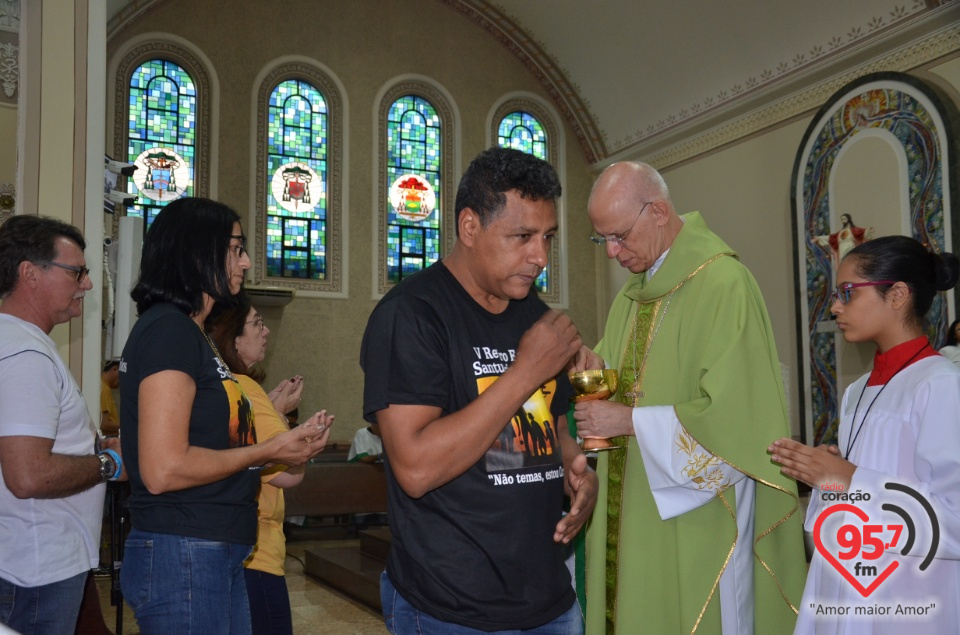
(844, 291)
(257, 321)
(600, 240)
(80, 271)
(240, 249)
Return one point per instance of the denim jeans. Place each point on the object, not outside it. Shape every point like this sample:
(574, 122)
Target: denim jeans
(269, 603)
(41, 610)
(177, 584)
(404, 619)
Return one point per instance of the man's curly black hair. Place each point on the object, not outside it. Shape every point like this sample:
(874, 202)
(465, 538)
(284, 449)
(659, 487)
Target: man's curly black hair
(495, 172)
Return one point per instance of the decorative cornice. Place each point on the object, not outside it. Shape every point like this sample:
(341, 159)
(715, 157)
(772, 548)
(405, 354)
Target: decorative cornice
(902, 59)
(333, 282)
(752, 86)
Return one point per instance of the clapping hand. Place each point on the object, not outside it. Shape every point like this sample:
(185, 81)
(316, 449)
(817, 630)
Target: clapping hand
(299, 445)
(286, 396)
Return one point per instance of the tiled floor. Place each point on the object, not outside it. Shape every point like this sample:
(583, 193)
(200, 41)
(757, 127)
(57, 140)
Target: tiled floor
(316, 608)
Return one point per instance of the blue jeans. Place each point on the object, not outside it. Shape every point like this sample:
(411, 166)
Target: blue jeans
(269, 603)
(404, 619)
(177, 584)
(49, 609)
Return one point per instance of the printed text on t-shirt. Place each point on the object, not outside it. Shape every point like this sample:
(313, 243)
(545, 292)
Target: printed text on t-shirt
(536, 477)
(492, 361)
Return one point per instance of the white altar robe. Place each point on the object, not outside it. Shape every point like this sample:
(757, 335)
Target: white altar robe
(676, 492)
(911, 437)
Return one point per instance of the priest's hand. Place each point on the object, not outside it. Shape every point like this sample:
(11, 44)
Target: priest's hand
(603, 419)
(814, 466)
(585, 359)
(582, 487)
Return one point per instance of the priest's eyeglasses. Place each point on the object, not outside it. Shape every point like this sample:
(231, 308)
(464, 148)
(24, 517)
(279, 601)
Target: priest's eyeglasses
(844, 291)
(80, 271)
(601, 240)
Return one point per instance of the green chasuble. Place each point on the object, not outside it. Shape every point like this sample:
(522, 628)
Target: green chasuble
(702, 328)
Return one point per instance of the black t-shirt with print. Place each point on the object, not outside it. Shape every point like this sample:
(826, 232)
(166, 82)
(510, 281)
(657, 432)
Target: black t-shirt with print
(478, 551)
(163, 338)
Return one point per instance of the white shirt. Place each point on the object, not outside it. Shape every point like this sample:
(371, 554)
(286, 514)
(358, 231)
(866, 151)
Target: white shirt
(365, 443)
(44, 540)
(952, 353)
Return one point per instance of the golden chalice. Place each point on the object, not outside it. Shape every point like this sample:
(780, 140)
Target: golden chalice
(589, 385)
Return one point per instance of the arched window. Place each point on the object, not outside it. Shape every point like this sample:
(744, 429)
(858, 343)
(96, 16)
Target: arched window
(163, 99)
(298, 185)
(416, 195)
(522, 131)
(297, 169)
(525, 125)
(413, 171)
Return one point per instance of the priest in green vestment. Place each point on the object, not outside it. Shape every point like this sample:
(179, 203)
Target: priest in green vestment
(695, 529)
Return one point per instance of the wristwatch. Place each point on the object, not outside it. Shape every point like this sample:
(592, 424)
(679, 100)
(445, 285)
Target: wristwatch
(108, 467)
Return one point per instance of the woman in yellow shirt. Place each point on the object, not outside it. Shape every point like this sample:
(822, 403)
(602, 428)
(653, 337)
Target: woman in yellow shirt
(241, 336)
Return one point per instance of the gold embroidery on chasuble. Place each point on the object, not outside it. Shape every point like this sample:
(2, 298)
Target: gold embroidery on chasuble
(631, 375)
(702, 468)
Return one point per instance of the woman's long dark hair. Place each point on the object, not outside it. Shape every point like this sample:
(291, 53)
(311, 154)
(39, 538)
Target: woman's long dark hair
(903, 259)
(184, 256)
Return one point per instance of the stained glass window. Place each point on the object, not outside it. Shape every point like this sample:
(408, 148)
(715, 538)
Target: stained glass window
(522, 131)
(297, 173)
(161, 136)
(413, 174)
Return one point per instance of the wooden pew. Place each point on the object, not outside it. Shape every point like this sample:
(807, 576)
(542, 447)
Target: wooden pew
(334, 488)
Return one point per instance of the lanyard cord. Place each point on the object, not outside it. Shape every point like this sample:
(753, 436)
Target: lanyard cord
(853, 440)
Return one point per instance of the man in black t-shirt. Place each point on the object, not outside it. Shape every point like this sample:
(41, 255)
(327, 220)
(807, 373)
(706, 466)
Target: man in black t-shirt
(464, 373)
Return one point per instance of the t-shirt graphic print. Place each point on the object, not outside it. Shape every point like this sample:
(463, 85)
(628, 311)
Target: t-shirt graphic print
(242, 431)
(530, 438)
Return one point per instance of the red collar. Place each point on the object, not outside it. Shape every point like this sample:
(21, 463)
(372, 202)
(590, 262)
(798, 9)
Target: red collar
(886, 365)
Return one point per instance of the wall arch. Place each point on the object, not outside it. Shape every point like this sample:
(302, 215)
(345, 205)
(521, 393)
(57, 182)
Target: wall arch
(922, 128)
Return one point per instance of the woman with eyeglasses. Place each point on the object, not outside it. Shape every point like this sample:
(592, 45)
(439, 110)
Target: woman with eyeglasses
(898, 458)
(190, 444)
(241, 336)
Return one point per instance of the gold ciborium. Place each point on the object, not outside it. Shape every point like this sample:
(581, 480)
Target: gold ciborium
(589, 385)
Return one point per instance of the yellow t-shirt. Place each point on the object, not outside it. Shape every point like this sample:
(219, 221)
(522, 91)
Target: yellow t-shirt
(271, 549)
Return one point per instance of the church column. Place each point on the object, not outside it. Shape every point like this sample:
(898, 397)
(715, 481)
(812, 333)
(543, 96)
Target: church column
(60, 141)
